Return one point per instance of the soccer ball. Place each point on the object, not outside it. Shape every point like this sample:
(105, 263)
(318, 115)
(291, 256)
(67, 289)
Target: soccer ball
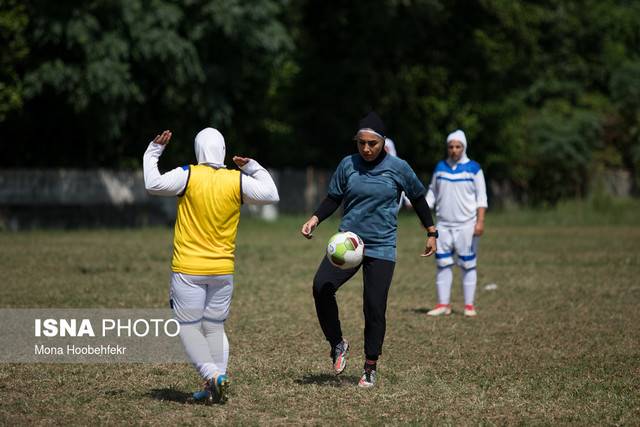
(345, 250)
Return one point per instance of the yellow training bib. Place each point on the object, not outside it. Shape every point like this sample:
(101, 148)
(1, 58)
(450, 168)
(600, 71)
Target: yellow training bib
(204, 239)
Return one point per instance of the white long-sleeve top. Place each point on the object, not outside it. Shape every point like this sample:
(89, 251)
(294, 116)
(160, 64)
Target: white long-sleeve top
(457, 190)
(258, 187)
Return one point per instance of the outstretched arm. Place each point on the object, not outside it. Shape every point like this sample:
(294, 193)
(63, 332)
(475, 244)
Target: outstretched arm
(171, 183)
(258, 187)
(330, 203)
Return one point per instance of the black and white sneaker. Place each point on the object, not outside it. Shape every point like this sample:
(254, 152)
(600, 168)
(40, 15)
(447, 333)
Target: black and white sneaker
(339, 354)
(368, 378)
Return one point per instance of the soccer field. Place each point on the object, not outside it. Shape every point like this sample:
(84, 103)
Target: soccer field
(557, 342)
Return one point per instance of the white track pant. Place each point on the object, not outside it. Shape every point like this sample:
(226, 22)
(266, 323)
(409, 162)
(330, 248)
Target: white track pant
(201, 305)
(461, 243)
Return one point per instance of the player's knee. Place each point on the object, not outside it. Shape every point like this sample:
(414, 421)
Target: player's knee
(189, 330)
(212, 325)
(444, 262)
(469, 264)
(322, 288)
(215, 316)
(375, 316)
(319, 290)
(186, 315)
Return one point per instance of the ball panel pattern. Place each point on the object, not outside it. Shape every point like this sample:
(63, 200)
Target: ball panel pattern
(345, 250)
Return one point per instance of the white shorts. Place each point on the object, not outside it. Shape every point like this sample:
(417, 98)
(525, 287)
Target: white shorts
(460, 242)
(197, 298)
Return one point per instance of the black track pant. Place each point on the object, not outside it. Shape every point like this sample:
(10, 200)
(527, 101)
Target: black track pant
(377, 280)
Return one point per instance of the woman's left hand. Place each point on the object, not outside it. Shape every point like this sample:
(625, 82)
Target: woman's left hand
(430, 247)
(163, 138)
(240, 161)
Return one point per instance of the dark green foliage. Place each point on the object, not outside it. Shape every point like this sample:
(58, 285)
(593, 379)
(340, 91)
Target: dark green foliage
(625, 92)
(13, 22)
(104, 76)
(547, 91)
(561, 142)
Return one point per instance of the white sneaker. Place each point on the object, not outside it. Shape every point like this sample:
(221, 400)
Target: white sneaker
(440, 310)
(470, 311)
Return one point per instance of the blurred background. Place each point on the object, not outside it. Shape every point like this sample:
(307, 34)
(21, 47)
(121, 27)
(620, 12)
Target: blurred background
(548, 93)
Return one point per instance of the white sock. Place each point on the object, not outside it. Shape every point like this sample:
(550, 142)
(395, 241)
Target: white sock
(218, 344)
(469, 280)
(197, 349)
(444, 277)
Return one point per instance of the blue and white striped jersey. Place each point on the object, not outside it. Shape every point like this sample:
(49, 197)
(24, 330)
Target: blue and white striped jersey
(457, 192)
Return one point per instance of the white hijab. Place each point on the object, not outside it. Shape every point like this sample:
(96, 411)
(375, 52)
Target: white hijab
(210, 148)
(458, 135)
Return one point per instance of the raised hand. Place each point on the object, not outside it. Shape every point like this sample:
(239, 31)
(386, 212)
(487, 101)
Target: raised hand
(163, 138)
(240, 161)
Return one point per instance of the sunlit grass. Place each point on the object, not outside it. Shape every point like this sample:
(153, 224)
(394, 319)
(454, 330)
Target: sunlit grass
(555, 343)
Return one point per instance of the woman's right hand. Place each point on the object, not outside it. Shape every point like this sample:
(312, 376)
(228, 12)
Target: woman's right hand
(309, 226)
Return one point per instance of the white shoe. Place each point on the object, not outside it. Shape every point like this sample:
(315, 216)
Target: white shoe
(470, 311)
(440, 310)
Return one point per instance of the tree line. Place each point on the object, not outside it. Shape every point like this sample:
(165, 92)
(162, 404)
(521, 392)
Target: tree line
(547, 91)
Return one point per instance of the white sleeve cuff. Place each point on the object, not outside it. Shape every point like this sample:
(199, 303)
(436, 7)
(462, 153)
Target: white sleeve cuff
(251, 167)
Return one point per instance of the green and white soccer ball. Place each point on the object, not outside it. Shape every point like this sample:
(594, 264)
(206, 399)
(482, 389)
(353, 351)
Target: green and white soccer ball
(345, 250)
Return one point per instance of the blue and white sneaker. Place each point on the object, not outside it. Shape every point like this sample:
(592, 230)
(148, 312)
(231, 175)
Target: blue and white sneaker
(218, 388)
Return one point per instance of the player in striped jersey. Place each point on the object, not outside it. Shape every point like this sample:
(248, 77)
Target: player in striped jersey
(459, 193)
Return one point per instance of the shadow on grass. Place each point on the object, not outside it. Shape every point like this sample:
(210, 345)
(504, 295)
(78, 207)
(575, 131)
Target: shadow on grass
(171, 395)
(425, 310)
(328, 380)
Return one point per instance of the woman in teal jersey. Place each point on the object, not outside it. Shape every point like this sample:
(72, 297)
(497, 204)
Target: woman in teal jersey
(368, 184)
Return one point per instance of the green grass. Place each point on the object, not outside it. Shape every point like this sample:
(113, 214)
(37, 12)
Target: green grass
(557, 343)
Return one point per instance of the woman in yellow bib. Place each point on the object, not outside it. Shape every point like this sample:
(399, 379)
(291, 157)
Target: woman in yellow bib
(209, 200)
